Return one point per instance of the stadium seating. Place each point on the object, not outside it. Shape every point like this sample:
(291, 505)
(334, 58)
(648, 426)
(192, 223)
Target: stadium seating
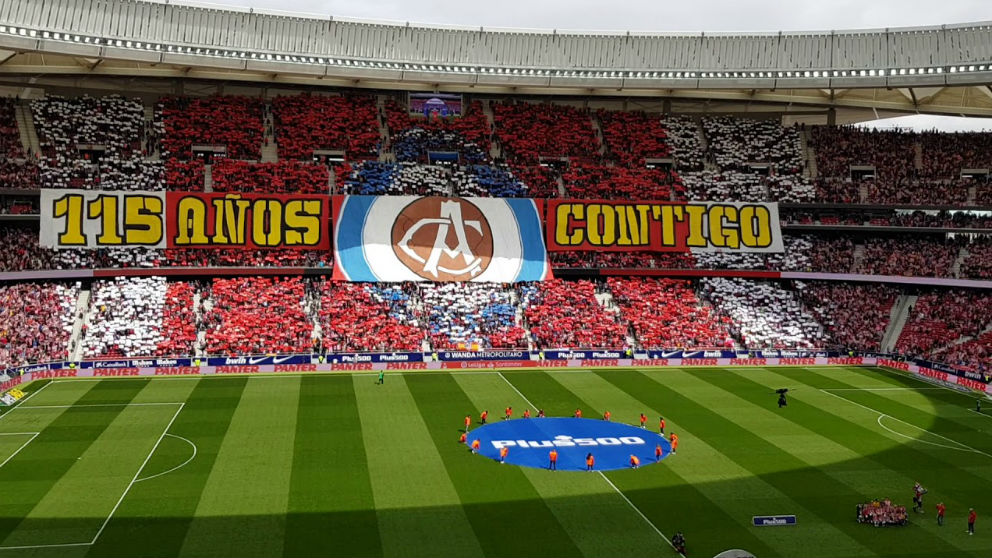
(468, 134)
(471, 316)
(283, 177)
(184, 176)
(665, 313)
(587, 181)
(304, 123)
(373, 178)
(179, 333)
(736, 142)
(234, 122)
(528, 131)
(796, 257)
(723, 186)
(367, 317)
(765, 315)
(541, 182)
(621, 260)
(854, 316)
(909, 256)
(945, 155)
(488, 181)
(891, 153)
(257, 315)
(941, 318)
(632, 137)
(978, 264)
(17, 168)
(683, 135)
(125, 317)
(564, 314)
(35, 322)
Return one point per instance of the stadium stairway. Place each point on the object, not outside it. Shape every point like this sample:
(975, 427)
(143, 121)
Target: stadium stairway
(857, 257)
(81, 314)
(597, 128)
(809, 156)
(898, 317)
(495, 151)
(25, 127)
(956, 266)
(155, 155)
(208, 178)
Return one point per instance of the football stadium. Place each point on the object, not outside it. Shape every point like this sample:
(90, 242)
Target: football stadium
(278, 284)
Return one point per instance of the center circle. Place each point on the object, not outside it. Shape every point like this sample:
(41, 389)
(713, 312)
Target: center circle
(529, 442)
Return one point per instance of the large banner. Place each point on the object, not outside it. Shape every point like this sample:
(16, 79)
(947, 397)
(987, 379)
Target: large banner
(408, 238)
(97, 219)
(620, 226)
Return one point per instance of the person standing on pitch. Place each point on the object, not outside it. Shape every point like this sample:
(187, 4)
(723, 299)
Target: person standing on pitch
(484, 416)
(503, 451)
(578, 413)
(590, 462)
(644, 419)
(940, 513)
(972, 516)
(526, 413)
(661, 425)
(978, 405)
(674, 439)
(382, 377)
(468, 422)
(606, 416)
(475, 445)
(553, 460)
(657, 452)
(508, 413)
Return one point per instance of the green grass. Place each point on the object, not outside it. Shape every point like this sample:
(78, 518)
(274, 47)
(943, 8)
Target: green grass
(335, 465)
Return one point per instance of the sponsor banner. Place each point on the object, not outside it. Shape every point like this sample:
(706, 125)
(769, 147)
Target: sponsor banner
(484, 355)
(583, 355)
(11, 383)
(97, 219)
(370, 357)
(258, 360)
(409, 238)
(773, 520)
(620, 226)
(102, 219)
(248, 221)
(465, 364)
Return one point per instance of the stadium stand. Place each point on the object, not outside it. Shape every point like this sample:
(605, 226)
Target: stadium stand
(36, 322)
(632, 137)
(666, 313)
(304, 123)
(683, 134)
(367, 317)
(623, 260)
(471, 316)
(184, 176)
(496, 181)
(940, 319)
(724, 186)
(283, 177)
(909, 256)
(854, 316)
(125, 317)
(373, 178)
(257, 315)
(603, 182)
(764, 315)
(735, 143)
(234, 122)
(567, 314)
(528, 131)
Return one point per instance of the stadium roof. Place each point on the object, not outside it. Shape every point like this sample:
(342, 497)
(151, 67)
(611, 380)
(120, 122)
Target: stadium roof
(943, 69)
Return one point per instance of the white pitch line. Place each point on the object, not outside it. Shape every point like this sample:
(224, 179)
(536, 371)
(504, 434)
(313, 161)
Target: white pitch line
(881, 414)
(882, 389)
(22, 401)
(134, 479)
(608, 481)
(30, 546)
(180, 466)
(958, 448)
(102, 405)
(24, 445)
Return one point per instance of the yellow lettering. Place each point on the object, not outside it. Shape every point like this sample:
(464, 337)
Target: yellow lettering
(70, 206)
(143, 220)
(695, 213)
(266, 227)
(303, 222)
(191, 222)
(105, 208)
(723, 231)
(756, 227)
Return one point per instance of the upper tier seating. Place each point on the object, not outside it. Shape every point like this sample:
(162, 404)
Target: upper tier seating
(601, 182)
(304, 123)
(284, 177)
(528, 131)
(234, 122)
(632, 137)
(737, 142)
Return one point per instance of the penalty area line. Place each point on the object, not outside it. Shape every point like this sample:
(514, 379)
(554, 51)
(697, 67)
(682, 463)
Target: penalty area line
(604, 477)
(24, 445)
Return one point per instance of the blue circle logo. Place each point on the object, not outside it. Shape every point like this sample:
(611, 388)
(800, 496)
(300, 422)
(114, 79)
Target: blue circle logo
(530, 442)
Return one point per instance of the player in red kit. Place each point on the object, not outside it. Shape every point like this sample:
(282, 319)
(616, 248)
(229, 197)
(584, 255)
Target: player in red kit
(484, 416)
(644, 419)
(972, 516)
(661, 425)
(606, 416)
(940, 513)
(526, 413)
(508, 413)
(578, 413)
(657, 452)
(468, 422)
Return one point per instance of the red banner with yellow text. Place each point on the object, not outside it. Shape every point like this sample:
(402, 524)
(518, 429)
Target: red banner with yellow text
(623, 226)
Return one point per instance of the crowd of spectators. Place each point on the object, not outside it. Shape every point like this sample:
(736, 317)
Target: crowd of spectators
(528, 131)
(304, 123)
(283, 177)
(735, 143)
(632, 137)
(257, 315)
(18, 206)
(667, 314)
(469, 134)
(909, 256)
(941, 318)
(232, 121)
(978, 264)
(367, 317)
(373, 178)
(566, 314)
(588, 181)
(890, 218)
(796, 257)
(683, 135)
(17, 168)
(623, 260)
(471, 316)
(764, 315)
(541, 181)
(892, 153)
(838, 190)
(945, 155)
(974, 354)
(417, 144)
(918, 192)
(496, 181)
(731, 185)
(36, 322)
(125, 317)
(790, 188)
(181, 318)
(184, 176)
(854, 315)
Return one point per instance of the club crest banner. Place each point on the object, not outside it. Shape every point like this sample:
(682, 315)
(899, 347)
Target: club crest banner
(410, 238)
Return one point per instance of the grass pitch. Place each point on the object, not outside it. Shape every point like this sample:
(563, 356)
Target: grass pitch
(335, 465)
